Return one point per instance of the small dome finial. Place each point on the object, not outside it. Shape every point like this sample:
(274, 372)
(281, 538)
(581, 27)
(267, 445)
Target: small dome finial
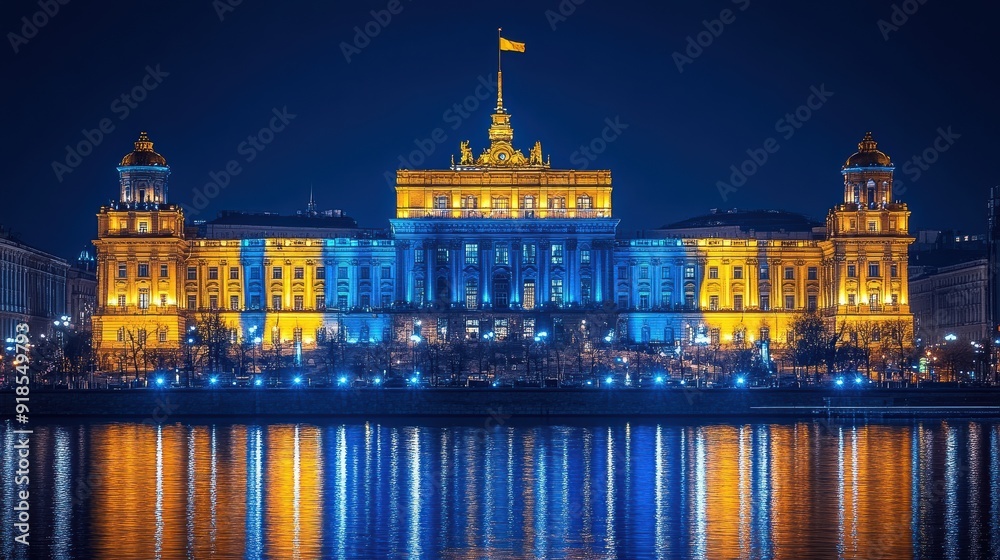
(867, 144)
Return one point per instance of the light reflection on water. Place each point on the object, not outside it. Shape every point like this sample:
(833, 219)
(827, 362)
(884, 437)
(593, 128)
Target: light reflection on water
(927, 489)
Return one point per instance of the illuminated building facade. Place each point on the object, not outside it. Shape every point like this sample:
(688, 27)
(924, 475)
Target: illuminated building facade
(499, 246)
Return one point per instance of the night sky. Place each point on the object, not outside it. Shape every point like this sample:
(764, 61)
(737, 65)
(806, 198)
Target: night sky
(586, 64)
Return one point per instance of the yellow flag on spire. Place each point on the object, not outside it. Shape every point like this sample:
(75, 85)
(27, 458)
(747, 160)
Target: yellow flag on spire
(506, 45)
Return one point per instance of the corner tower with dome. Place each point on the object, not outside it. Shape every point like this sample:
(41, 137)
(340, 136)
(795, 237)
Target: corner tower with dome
(867, 241)
(141, 249)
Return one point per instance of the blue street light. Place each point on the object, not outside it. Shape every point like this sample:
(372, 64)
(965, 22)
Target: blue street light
(342, 380)
(840, 382)
(257, 382)
(659, 380)
(858, 381)
(297, 380)
(159, 381)
(609, 380)
(741, 380)
(377, 381)
(213, 380)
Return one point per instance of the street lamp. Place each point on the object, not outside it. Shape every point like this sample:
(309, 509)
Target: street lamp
(415, 339)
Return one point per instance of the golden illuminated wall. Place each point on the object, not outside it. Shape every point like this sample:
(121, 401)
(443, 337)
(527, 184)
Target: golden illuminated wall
(500, 193)
(139, 262)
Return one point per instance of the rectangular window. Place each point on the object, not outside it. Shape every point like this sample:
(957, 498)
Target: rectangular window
(665, 273)
(894, 270)
(644, 272)
(501, 328)
(872, 226)
(501, 255)
(143, 298)
(713, 272)
(713, 303)
(715, 336)
(386, 272)
(213, 302)
(812, 273)
(644, 301)
(557, 253)
(585, 291)
(298, 302)
(419, 291)
(852, 271)
(276, 303)
(143, 270)
(689, 272)
(255, 273)
(342, 272)
(321, 272)
(895, 299)
(384, 301)
(789, 273)
(192, 301)
(298, 273)
(873, 270)
(418, 256)
(472, 329)
(737, 273)
(234, 303)
(163, 300)
(164, 271)
(529, 328)
(366, 272)
(738, 302)
(584, 256)
(320, 302)
(851, 299)
(529, 253)
(161, 335)
(143, 227)
(255, 301)
(529, 294)
(471, 294)
(442, 255)
(764, 272)
(341, 301)
(276, 273)
(366, 301)
(811, 303)
(234, 273)
(765, 302)
(472, 253)
(121, 300)
(789, 302)
(556, 295)
(623, 273)
(213, 273)
(122, 270)
(623, 301)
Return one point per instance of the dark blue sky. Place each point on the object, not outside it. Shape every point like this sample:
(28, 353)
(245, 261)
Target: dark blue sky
(605, 60)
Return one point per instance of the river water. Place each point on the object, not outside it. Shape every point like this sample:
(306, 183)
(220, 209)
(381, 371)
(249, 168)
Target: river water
(500, 488)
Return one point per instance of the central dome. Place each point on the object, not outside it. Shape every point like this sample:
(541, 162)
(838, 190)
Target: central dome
(868, 155)
(143, 155)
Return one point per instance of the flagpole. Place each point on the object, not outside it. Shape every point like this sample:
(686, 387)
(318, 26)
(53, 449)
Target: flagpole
(499, 73)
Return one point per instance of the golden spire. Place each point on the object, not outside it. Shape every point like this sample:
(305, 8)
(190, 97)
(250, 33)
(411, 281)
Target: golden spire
(499, 73)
